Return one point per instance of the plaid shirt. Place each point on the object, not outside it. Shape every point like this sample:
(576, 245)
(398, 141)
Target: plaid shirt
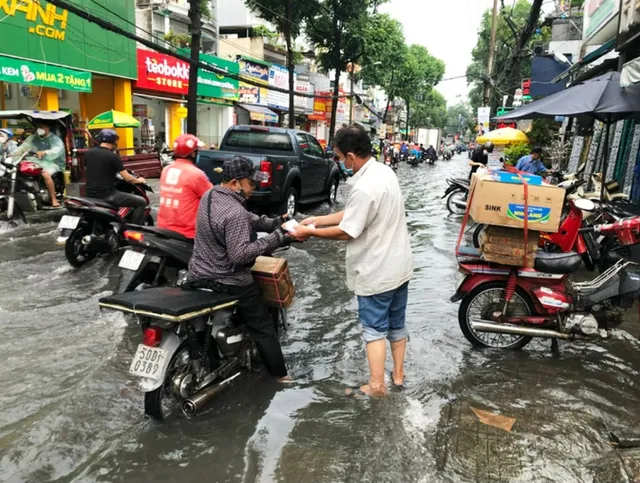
(223, 250)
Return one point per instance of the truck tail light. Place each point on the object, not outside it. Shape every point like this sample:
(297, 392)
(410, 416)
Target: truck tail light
(266, 167)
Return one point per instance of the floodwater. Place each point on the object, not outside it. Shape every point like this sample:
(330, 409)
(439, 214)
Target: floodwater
(69, 411)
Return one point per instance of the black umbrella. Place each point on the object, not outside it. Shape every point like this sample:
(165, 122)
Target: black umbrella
(601, 98)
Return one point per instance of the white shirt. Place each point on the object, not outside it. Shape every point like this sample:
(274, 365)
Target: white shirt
(379, 256)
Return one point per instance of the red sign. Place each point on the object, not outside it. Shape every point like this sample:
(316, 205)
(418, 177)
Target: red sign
(526, 87)
(159, 72)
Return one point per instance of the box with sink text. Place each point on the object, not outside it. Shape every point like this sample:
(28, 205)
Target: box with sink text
(503, 204)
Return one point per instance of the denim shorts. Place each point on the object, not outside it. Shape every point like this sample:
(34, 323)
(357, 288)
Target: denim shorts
(383, 315)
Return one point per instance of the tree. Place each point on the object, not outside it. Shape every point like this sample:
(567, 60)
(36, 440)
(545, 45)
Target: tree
(460, 117)
(287, 18)
(336, 30)
(430, 111)
(515, 31)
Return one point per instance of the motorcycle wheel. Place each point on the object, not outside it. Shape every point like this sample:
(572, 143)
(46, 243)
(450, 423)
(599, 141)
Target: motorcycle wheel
(476, 235)
(459, 196)
(160, 403)
(18, 217)
(486, 299)
(148, 220)
(76, 253)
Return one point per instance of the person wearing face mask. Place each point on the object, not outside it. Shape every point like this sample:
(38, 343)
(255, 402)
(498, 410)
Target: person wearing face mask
(101, 166)
(182, 185)
(50, 152)
(480, 157)
(379, 258)
(7, 144)
(225, 250)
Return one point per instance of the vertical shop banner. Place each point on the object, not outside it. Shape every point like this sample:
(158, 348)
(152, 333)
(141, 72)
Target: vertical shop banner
(279, 77)
(303, 86)
(484, 116)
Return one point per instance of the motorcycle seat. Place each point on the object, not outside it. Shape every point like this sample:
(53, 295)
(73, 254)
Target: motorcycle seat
(93, 201)
(557, 263)
(164, 232)
(168, 303)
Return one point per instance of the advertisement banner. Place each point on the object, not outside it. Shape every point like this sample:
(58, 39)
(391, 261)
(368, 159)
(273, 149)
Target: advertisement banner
(248, 94)
(43, 75)
(303, 86)
(278, 77)
(217, 86)
(255, 70)
(484, 116)
(39, 31)
(163, 73)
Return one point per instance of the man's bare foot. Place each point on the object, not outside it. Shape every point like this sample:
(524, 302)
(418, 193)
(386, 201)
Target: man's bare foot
(285, 380)
(398, 380)
(374, 392)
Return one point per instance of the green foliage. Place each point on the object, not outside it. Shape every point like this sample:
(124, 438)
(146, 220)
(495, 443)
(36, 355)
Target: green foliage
(384, 45)
(460, 117)
(542, 132)
(204, 8)
(514, 152)
(263, 31)
(429, 112)
(177, 41)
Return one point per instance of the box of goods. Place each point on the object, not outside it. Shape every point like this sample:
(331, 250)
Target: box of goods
(506, 246)
(508, 177)
(503, 204)
(272, 274)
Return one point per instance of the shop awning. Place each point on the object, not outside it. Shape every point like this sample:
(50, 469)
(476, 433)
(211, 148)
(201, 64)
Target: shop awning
(259, 113)
(588, 59)
(630, 73)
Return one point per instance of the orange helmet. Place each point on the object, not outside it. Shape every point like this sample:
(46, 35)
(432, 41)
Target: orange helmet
(186, 144)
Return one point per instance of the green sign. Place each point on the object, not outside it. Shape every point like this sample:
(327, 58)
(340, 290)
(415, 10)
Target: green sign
(43, 75)
(214, 85)
(38, 30)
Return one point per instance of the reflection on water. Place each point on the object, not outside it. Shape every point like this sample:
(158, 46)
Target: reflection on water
(71, 413)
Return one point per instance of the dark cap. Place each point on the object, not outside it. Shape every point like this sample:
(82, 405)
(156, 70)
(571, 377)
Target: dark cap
(239, 167)
(536, 150)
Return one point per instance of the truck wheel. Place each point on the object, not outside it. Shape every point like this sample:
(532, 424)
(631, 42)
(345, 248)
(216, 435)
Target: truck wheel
(333, 190)
(290, 203)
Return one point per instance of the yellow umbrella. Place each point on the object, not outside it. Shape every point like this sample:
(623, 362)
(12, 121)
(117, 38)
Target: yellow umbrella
(111, 119)
(506, 135)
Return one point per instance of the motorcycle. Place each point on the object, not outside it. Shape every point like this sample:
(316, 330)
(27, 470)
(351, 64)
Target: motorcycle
(413, 160)
(505, 307)
(95, 226)
(22, 187)
(456, 194)
(194, 344)
(389, 161)
(447, 155)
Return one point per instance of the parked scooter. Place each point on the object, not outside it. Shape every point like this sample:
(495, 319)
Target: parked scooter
(95, 226)
(22, 187)
(456, 194)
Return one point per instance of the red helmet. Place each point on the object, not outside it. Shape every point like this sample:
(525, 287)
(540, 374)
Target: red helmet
(186, 144)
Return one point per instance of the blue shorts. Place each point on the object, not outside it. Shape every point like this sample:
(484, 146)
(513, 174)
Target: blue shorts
(383, 315)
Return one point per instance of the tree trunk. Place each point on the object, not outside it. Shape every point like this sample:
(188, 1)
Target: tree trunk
(386, 109)
(336, 87)
(192, 96)
(290, 66)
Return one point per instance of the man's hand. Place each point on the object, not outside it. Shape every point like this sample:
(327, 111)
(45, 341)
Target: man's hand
(140, 180)
(41, 154)
(308, 221)
(301, 232)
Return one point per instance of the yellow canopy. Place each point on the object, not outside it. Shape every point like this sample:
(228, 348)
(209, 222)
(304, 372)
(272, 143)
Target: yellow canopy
(111, 119)
(506, 135)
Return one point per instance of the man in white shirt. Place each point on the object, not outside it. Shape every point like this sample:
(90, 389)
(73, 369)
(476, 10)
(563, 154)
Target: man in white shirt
(379, 259)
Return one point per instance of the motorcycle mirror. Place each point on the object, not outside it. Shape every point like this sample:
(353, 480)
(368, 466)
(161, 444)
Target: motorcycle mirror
(585, 205)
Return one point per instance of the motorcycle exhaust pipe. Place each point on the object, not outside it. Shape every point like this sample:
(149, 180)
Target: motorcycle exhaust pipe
(519, 330)
(96, 243)
(460, 204)
(200, 399)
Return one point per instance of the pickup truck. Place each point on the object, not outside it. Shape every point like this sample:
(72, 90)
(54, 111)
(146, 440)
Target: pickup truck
(299, 170)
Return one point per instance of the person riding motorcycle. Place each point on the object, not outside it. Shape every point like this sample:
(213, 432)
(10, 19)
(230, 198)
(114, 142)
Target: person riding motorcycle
(50, 152)
(182, 185)
(480, 157)
(102, 165)
(431, 153)
(7, 144)
(225, 250)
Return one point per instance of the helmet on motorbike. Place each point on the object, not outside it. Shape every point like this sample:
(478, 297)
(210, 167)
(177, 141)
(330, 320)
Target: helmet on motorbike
(7, 131)
(488, 146)
(108, 136)
(186, 144)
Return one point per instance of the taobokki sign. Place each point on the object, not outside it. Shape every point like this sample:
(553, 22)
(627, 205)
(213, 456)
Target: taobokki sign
(159, 72)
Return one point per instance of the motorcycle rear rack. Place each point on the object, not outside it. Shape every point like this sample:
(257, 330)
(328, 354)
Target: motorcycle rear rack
(590, 286)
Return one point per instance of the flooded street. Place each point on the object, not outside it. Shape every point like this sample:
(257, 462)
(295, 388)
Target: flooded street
(70, 412)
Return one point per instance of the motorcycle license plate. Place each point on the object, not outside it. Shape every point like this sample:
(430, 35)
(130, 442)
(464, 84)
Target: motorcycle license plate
(68, 222)
(148, 362)
(131, 260)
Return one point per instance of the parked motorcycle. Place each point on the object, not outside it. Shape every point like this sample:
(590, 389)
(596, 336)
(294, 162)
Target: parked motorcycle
(194, 344)
(456, 194)
(505, 307)
(94, 226)
(22, 187)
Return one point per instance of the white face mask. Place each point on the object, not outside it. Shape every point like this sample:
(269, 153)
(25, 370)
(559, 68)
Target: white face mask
(41, 132)
(3, 139)
(485, 152)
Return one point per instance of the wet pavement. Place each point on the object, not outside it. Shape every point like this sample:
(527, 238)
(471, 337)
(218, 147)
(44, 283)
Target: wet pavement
(69, 411)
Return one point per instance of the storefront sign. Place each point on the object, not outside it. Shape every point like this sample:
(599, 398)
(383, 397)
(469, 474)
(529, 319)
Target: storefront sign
(43, 75)
(303, 86)
(597, 17)
(140, 111)
(39, 31)
(255, 70)
(216, 85)
(163, 73)
(279, 77)
(319, 107)
(248, 94)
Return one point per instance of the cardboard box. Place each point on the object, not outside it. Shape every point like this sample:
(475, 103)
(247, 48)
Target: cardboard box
(272, 274)
(499, 235)
(502, 204)
(507, 177)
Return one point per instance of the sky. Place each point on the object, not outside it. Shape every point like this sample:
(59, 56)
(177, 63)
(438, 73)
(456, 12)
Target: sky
(448, 29)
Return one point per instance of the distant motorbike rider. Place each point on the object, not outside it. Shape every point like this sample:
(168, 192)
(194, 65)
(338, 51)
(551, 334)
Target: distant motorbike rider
(102, 165)
(431, 153)
(50, 152)
(7, 144)
(224, 252)
(182, 185)
(480, 157)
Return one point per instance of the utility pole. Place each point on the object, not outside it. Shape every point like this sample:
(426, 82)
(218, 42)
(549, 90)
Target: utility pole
(492, 49)
(352, 98)
(195, 17)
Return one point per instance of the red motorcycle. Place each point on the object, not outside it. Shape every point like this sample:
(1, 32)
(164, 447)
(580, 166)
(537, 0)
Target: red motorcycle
(95, 226)
(505, 307)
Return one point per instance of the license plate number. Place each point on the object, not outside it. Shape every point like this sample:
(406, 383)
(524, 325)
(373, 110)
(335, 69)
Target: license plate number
(148, 362)
(68, 222)
(131, 260)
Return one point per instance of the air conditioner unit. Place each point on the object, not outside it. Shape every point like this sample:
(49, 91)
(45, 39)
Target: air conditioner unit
(539, 48)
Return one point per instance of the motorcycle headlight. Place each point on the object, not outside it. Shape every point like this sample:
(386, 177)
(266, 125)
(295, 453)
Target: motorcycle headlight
(3, 170)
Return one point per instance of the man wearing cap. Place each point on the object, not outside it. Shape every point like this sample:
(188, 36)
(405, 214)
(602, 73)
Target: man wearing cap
(225, 250)
(531, 163)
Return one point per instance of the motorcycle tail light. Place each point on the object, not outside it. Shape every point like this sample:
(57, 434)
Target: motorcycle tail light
(134, 236)
(152, 336)
(30, 169)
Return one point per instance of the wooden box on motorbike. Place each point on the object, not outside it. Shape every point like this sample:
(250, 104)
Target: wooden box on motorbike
(503, 204)
(507, 246)
(516, 261)
(272, 274)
